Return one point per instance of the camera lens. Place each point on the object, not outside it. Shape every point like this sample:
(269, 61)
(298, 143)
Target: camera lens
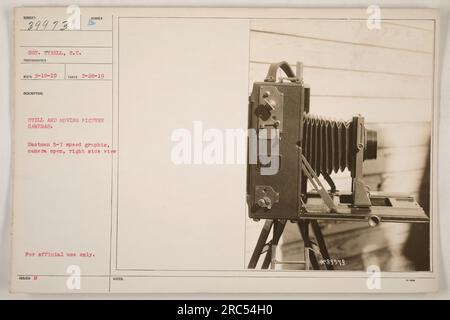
(370, 148)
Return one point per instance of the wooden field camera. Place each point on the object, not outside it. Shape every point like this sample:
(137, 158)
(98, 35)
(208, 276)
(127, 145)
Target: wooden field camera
(289, 147)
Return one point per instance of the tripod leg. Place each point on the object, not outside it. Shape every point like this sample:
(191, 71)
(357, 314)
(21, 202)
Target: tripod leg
(278, 229)
(260, 244)
(310, 256)
(321, 242)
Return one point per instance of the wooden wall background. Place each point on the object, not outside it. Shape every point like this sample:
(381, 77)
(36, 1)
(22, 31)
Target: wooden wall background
(386, 75)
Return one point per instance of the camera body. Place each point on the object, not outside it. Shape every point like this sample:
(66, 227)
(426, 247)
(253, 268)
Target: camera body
(288, 146)
(276, 112)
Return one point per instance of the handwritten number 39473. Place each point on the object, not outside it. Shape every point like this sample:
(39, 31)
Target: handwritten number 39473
(46, 25)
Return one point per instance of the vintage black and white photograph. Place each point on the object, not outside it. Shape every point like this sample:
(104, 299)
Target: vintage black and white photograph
(225, 150)
(343, 180)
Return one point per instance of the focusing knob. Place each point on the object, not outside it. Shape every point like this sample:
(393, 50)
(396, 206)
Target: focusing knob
(265, 202)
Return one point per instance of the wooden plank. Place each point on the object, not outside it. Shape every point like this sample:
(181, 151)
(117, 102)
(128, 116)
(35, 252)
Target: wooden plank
(337, 55)
(353, 242)
(326, 82)
(329, 228)
(403, 181)
(374, 110)
(397, 159)
(363, 240)
(407, 182)
(390, 35)
(402, 134)
(388, 259)
(330, 82)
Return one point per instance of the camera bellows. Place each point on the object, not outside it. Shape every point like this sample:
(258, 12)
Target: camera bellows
(330, 145)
